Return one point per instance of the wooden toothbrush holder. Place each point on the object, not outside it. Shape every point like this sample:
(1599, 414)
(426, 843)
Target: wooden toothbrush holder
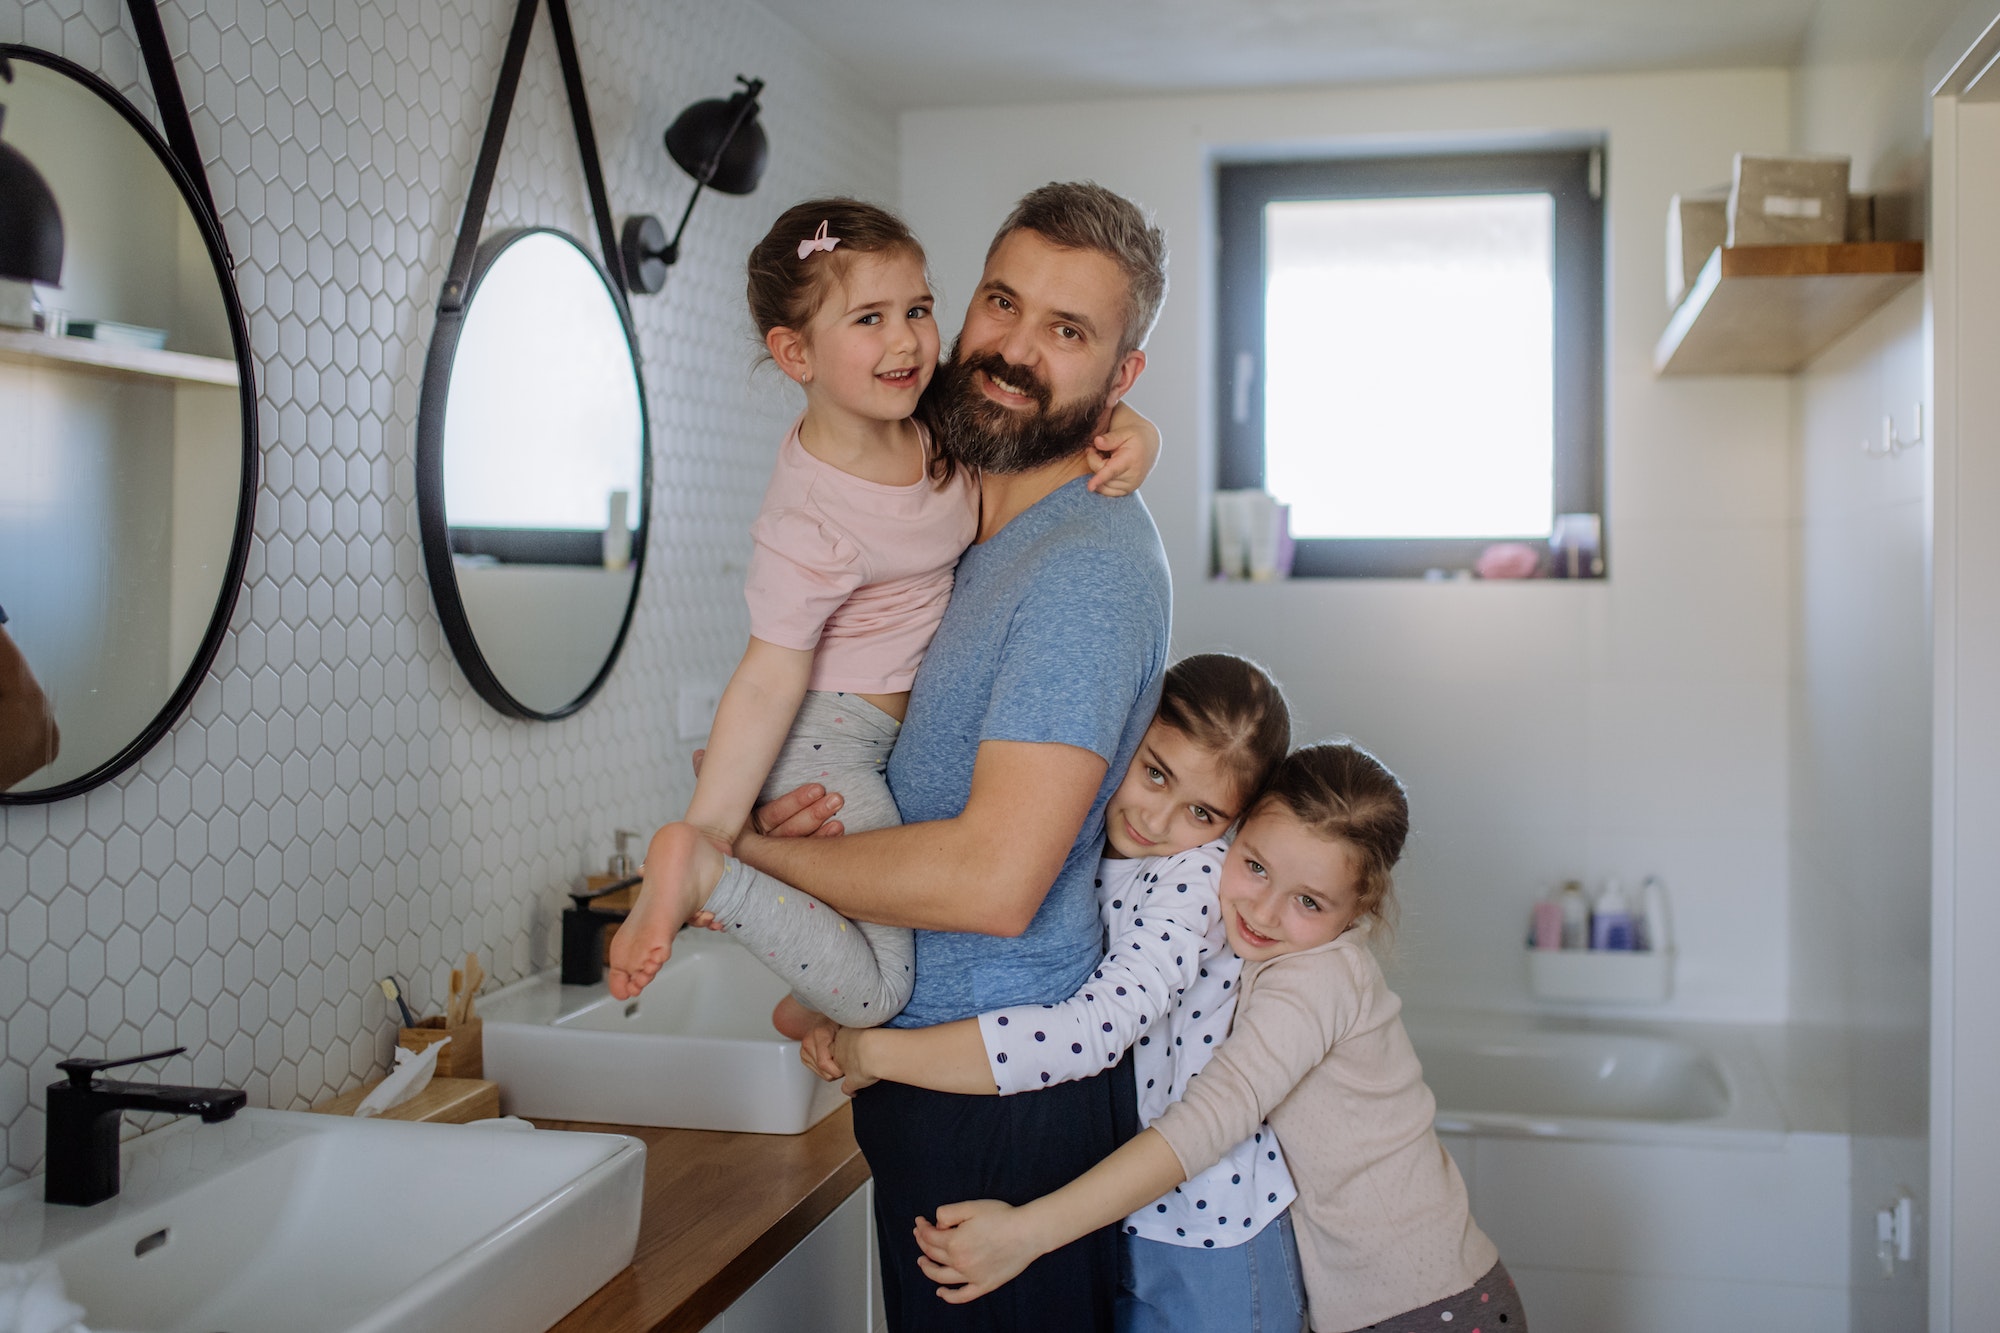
(464, 1058)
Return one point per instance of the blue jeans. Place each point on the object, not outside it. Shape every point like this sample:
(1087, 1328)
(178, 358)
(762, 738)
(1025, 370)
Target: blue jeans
(1255, 1287)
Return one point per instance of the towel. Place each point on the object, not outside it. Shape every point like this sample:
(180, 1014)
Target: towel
(32, 1300)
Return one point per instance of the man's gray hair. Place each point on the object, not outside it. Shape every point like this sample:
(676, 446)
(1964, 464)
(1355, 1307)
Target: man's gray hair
(1083, 215)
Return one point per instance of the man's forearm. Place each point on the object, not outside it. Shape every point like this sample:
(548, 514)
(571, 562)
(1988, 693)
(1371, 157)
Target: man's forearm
(922, 876)
(983, 871)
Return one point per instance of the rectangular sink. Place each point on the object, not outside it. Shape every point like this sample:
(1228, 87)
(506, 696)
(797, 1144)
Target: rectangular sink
(277, 1220)
(694, 1050)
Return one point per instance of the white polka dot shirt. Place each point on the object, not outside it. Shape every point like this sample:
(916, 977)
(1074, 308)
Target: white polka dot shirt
(1167, 989)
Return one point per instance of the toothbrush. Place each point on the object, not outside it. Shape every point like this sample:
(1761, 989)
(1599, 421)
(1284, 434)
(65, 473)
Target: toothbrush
(392, 993)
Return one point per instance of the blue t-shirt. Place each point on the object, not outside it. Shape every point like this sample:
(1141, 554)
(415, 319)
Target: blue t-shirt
(1056, 632)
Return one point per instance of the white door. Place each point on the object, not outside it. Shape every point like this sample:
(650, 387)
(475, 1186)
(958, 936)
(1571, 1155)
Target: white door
(1965, 860)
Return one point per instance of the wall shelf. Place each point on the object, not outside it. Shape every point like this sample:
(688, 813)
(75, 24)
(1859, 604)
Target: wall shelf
(1601, 975)
(1770, 309)
(30, 348)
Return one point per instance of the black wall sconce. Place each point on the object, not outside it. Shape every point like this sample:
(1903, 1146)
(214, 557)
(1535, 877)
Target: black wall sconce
(722, 146)
(31, 230)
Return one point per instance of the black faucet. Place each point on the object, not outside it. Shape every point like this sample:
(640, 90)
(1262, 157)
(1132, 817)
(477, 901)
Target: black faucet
(583, 933)
(84, 1116)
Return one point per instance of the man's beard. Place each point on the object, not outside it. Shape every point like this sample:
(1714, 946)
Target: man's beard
(974, 430)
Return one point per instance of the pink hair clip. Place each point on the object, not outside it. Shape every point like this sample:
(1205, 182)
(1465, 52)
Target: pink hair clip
(819, 240)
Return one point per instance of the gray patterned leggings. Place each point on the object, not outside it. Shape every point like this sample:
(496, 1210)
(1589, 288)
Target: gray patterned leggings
(858, 974)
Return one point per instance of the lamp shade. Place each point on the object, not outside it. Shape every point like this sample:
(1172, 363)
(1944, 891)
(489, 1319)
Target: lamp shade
(31, 230)
(700, 140)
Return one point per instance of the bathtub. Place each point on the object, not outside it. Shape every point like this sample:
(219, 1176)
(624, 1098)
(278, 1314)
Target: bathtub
(1642, 1177)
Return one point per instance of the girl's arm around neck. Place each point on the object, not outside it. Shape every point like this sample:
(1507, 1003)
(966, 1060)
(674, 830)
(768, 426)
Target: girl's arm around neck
(1124, 455)
(980, 1246)
(751, 722)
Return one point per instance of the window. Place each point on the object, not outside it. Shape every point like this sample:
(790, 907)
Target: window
(1411, 351)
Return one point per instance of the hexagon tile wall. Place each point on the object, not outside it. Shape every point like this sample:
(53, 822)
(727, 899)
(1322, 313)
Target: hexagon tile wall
(339, 805)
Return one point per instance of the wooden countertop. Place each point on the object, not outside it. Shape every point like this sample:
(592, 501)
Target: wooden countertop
(720, 1211)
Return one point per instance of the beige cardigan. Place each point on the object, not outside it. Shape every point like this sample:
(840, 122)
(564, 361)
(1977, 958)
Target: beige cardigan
(1318, 1049)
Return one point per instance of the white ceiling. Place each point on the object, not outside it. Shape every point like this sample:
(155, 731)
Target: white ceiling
(933, 53)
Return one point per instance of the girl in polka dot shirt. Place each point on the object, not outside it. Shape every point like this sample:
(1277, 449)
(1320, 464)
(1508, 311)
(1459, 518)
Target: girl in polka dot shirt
(1385, 1235)
(1165, 990)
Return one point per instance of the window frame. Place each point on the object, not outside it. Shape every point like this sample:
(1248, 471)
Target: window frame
(1572, 176)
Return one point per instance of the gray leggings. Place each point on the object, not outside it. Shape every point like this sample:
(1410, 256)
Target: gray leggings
(858, 974)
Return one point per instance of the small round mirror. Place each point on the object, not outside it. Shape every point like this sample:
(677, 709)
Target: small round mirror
(128, 442)
(533, 473)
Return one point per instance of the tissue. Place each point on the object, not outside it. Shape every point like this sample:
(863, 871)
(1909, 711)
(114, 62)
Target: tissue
(411, 1075)
(32, 1300)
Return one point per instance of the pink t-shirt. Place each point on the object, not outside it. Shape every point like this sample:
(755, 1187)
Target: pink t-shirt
(856, 572)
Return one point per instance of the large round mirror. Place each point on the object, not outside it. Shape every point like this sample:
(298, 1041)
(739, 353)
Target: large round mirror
(128, 446)
(532, 473)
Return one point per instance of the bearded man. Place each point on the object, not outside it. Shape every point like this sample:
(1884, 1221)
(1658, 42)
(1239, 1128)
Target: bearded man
(1021, 722)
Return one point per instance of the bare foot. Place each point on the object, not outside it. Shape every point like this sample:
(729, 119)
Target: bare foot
(794, 1019)
(682, 866)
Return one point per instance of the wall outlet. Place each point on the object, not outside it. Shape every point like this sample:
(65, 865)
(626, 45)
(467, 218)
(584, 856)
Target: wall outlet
(694, 709)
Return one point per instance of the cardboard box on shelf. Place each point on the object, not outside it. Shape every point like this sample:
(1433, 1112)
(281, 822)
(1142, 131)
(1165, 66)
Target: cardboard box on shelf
(1860, 216)
(1788, 200)
(1696, 225)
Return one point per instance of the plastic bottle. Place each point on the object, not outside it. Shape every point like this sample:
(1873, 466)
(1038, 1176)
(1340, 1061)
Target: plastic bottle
(1655, 933)
(1575, 916)
(1548, 925)
(1611, 922)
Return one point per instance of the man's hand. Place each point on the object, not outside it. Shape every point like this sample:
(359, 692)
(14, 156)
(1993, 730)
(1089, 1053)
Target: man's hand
(1027, 804)
(803, 812)
(975, 1248)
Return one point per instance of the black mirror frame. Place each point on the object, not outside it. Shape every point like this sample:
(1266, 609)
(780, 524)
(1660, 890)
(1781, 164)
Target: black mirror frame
(471, 255)
(194, 193)
(433, 522)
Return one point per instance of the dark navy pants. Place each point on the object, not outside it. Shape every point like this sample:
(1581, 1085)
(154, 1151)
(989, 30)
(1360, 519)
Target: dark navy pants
(928, 1148)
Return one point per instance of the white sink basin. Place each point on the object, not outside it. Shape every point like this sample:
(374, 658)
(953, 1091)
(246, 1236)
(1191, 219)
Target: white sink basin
(284, 1221)
(694, 1050)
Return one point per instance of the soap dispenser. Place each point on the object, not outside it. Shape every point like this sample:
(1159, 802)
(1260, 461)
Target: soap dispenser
(618, 869)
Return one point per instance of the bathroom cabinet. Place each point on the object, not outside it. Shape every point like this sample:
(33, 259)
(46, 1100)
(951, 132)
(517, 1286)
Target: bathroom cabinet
(742, 1232)
(831, 1272)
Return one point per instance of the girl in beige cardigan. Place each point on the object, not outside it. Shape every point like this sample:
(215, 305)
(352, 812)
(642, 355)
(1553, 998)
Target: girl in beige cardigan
(1385, 1235)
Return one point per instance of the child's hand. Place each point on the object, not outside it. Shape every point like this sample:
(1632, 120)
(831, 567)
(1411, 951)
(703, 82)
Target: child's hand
(975, 1248)
(816, 1048)
(1124, 455)
(849, 1056)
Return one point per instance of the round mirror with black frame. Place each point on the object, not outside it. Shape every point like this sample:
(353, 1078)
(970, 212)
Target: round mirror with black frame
(533, 473)
(129, 452)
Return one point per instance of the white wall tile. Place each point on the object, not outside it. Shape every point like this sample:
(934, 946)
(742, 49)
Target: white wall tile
(338, 804)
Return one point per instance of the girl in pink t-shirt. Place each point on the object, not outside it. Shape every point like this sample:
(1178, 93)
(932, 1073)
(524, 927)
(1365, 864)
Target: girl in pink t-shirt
(861, 528)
